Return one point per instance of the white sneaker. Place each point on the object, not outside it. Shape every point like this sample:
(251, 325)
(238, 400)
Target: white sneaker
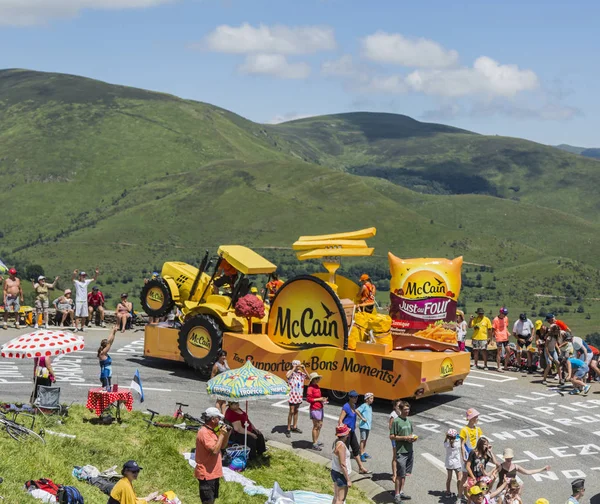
(36, 326)
(45, 326)
(17, 326)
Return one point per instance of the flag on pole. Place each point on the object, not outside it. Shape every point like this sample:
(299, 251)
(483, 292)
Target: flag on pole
(136, 385)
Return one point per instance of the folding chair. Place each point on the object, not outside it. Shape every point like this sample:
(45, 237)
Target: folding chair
(48, 401)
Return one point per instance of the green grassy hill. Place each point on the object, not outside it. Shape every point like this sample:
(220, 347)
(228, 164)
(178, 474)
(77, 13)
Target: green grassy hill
(102, 175)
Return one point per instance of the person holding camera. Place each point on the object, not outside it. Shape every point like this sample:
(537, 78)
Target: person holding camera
(211, 439)
(482, 333)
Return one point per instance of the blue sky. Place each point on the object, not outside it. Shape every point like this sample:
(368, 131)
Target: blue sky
(516, 68)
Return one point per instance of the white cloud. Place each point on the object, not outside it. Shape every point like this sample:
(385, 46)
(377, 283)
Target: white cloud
(395, 48)
(275, 65)
(277, 39)
(31, 12)
(486, 77)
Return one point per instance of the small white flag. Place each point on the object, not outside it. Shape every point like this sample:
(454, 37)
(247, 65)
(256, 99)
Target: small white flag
(136, 385)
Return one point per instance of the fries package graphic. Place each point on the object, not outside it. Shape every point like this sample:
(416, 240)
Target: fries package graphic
(423, 294)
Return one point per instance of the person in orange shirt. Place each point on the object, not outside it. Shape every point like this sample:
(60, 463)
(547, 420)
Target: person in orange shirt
(228, 275)
(367, 293)
(273, 286)
(500, 332)
(211, 438)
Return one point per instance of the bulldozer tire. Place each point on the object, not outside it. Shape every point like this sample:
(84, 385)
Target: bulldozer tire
(156, 298)
(200, 338)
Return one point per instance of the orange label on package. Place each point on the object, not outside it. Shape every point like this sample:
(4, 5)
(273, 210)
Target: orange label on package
(423, 291)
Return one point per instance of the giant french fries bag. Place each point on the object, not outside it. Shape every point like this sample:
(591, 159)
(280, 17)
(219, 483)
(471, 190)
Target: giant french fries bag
(423, 294)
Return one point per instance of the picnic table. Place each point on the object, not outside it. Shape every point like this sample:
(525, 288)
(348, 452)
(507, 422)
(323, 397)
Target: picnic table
(100, 400)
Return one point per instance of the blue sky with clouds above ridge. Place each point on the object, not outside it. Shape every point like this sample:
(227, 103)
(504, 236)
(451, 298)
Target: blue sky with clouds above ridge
(517, 68)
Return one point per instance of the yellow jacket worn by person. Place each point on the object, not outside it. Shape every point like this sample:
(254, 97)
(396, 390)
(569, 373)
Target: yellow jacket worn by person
(123, 493)
(481, 326)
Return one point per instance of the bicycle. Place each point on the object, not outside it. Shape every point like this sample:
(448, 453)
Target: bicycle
(181, 426)
(19, 432)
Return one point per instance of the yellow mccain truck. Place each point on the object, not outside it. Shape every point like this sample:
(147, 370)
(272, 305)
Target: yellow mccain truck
(313, 318)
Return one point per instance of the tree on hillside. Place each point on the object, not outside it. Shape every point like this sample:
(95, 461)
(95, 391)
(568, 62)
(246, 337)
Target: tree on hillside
(33, 271)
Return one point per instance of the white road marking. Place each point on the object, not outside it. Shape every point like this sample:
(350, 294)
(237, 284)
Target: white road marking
(529, 419)
(473, 384)
(284, 404)
(493, 377)
(437, 463)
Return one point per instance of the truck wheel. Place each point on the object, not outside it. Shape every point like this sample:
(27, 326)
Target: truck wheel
(338, 396)
(200, 339)
(156, 298)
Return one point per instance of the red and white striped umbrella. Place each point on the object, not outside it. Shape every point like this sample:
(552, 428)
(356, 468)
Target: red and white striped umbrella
(43, 343)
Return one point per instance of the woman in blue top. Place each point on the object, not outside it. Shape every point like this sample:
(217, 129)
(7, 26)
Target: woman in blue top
(348, 417)
(104, 359)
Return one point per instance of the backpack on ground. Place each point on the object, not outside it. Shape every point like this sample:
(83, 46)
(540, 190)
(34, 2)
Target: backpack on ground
(43, 484)
(69, 495)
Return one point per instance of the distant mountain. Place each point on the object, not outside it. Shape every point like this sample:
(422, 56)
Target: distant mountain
(592, 153)
(96, 174)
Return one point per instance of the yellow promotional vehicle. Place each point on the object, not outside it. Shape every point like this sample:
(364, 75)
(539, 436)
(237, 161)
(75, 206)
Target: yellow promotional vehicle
(206, 313)
(315, 319)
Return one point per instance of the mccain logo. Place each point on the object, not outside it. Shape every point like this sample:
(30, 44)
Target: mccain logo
(307, 325)
(433, 286)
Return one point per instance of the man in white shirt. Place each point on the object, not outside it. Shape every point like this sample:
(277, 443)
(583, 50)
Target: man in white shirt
(81, 295)
(524, 330)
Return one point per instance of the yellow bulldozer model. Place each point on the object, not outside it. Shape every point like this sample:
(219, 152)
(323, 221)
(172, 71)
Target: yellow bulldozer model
(205, 313)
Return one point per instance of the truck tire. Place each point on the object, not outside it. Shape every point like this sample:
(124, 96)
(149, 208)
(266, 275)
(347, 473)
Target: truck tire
(156, 298)
(200, 339)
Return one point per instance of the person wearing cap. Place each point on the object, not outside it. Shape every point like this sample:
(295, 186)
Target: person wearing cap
(124, 311)
(453, 461)
(348, 417)
(508, 470)
(13, 297)
(81, 283)
(365, 410)
(64, 306)
(273, 285)
(523, 331)
(461, 330)
(244, 431)
(482, 332)
(315, 399)
(96, 302)
(469, 437)
(551, 320)
(367, 293)
(500, 333)
(123, 492)
(295, 378)
(476, 495)
(402, 434)
(41, 289)
(341, 467)
(211, 439)
(254, 292)
(577, 491)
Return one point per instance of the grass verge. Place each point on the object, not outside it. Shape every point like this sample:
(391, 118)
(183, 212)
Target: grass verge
(157, 450)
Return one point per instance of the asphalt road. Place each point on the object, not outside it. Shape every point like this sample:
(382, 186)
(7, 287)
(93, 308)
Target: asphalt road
(543, 425)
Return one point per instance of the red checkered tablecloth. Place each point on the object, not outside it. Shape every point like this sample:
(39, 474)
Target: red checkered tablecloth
(99, 399)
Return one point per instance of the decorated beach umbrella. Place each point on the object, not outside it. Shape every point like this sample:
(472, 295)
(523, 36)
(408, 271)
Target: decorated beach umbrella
(43, 343)
(247, 384)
